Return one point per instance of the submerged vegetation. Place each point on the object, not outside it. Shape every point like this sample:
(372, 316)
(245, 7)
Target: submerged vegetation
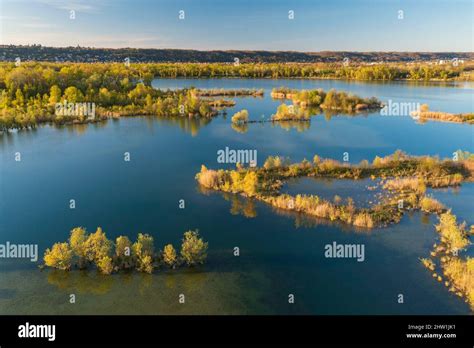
(240, 117)
(404, 178)
(425, 114)
(457, 270)
(84, 250)
(332, 100)
(291, 113)
(305, 104)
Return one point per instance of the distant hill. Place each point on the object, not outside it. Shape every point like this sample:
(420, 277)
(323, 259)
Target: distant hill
(86, 54)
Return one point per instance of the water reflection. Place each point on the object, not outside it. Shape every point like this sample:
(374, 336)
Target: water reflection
(190, 125)
(240, 128)
(82, 282)
(241, 205)
(288, 125)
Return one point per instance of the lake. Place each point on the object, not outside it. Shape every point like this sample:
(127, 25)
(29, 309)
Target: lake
(280, 253)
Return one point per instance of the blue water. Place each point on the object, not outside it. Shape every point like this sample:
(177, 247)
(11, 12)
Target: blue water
(280, 254)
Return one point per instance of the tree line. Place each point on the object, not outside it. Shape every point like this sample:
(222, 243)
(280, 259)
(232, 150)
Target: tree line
(84, 250)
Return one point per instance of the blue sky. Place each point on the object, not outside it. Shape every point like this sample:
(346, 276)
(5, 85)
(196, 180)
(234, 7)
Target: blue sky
(351, 25)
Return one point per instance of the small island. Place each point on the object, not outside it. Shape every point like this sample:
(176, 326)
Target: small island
(332, 100)
(425, 114)
(83, 251)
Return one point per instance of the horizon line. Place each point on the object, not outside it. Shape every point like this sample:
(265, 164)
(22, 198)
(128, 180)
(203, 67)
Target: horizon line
(227, 50)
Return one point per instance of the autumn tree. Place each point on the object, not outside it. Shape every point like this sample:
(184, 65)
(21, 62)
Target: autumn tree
(143, 250)
(77, 242)
(193, 248)
(73, 95)
(97, 246)
(169, 255)
(240, 117)
(250, 183)
(123, 251)
(105, 265)
(54, 94)
(59, 256)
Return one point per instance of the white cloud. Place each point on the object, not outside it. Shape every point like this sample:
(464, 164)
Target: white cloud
(77, 5)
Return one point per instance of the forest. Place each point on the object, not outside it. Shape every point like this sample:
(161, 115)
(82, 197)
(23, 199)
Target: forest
(91, 55)
(30, 93)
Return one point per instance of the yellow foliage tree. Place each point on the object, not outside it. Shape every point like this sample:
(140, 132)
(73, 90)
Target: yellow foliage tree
(193, 248)
(250, 183)
(143, 250)
(77, 242)
(105, 265)
(59, 256)
(97, 246)
(169, 255)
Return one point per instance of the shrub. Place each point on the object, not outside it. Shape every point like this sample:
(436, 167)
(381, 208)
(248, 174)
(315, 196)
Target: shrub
(193, 248)
(143, 249)
(250, 183)
(145, 264)
(123, 247)
(77, 242)
(240, 117)
(329, 165)
(363, 220)
(410, 184)
(97, 246)
(269, 163)
(169, 255)
(208, 178)
(324, 210)
(143, 246)
(59, 256)
(461, 274)
(316, 160)
(105, 265)
(452, 234)
(123, 251)
(431, 205)
(428, 263)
